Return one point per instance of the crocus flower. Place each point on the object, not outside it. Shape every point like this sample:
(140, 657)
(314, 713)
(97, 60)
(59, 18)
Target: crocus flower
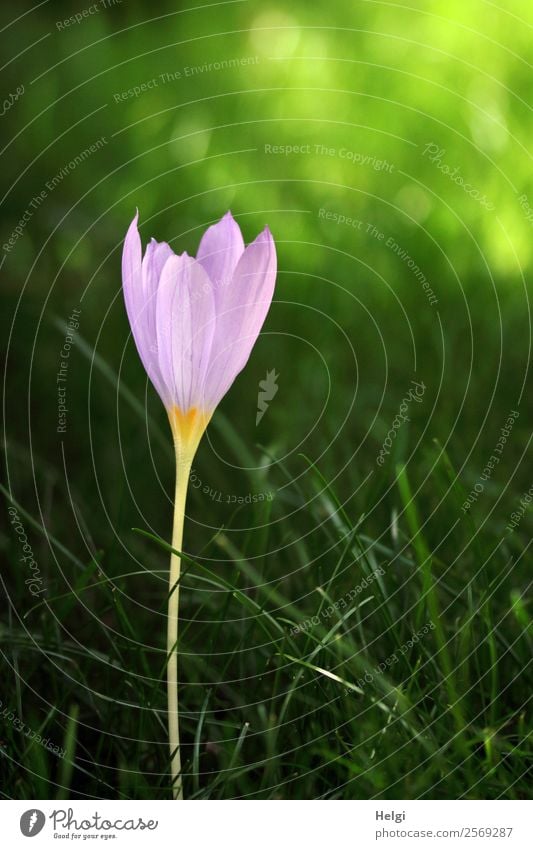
(194, 322)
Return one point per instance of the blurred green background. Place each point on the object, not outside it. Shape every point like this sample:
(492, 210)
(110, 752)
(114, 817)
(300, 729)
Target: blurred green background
(388, 149)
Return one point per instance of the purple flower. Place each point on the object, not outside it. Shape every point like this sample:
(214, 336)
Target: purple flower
(195, 321)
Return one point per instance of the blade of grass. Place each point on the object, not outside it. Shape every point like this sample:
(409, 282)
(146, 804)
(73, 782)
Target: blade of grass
(67, 762)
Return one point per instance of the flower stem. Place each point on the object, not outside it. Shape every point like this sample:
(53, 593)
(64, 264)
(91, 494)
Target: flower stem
(183, 467)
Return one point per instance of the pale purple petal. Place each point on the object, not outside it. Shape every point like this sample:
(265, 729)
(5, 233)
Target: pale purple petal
(195, 322)
(220, 249)
(155, 256)
(185, 325)
(241, 310)
(154, 259)
(140, 306)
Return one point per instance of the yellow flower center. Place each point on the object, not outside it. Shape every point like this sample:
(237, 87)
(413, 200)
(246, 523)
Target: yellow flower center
(187, 429)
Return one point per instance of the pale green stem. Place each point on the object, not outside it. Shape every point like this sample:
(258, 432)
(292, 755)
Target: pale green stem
(183, 468)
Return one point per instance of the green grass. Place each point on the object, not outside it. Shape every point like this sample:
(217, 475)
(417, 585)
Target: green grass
(267, 712)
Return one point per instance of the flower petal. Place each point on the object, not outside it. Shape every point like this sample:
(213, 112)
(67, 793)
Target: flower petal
(220, 249)
(155, 256)
(140, 306)
(241, 310)
(185, 326)
(154, 259)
